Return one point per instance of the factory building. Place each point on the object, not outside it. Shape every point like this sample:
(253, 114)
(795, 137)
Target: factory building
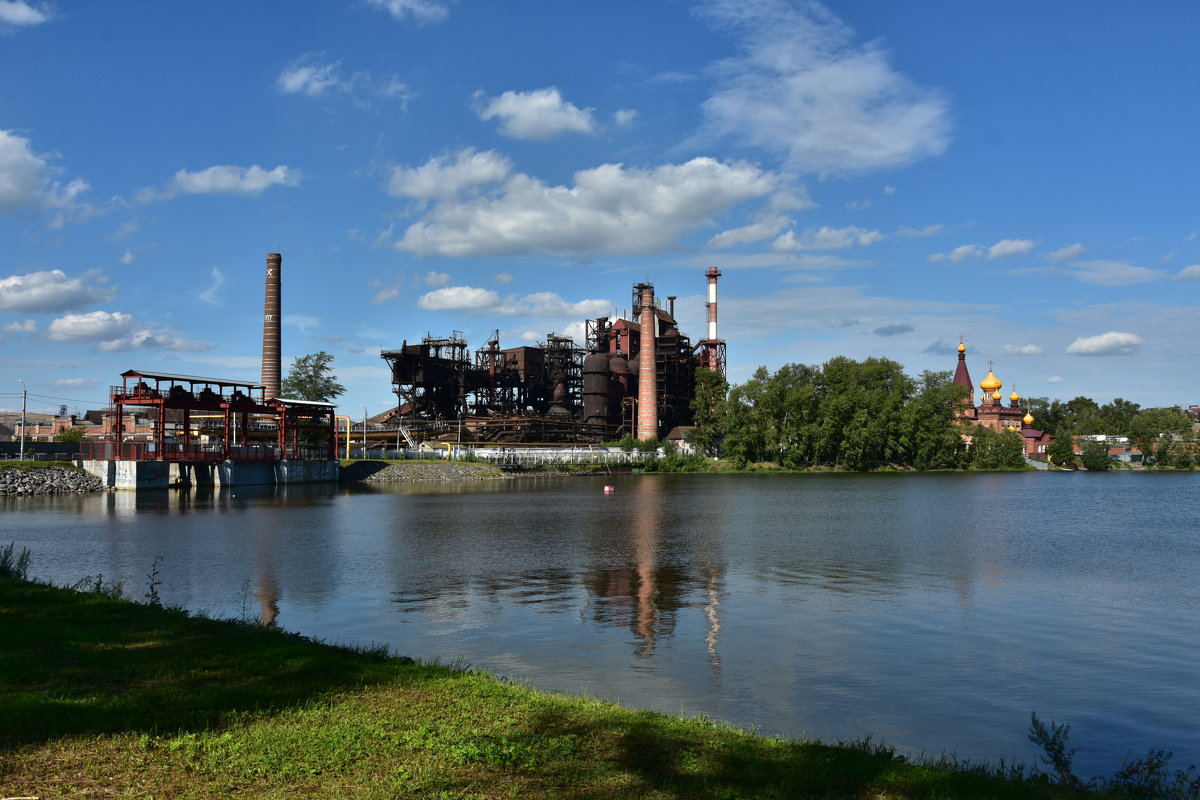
(631, 377)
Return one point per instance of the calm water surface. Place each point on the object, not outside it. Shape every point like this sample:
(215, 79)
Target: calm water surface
(934, 612)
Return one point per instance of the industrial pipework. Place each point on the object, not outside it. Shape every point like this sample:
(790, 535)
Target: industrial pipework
(271, 371)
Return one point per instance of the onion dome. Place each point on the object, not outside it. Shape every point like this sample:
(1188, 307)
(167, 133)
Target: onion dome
(996, 395)
(1028, 420)
(991, 383)
(1014, 396)
(962, 348)
(1012, 428)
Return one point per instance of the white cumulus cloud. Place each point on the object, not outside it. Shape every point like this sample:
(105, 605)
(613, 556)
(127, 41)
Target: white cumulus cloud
(223, 179)
(1106, 344)
(801, 87)
(610, 209)
(21, 13)
(92, 326)
(313, 76)
(540, 114)
(435, 278)
(921, 233)
(1022, 350)
(28, 185)
(147, 339)
(826, 238)
(1066, 253)
(306, 75)
(420, 12)
(446, 177)
(457, 298)
(538, 304)
(1006, 248)
(50, 291)
(1187, 273)
(1112, 273)
(762, 229)
(26, 326)
(386, 291)
(625, 117)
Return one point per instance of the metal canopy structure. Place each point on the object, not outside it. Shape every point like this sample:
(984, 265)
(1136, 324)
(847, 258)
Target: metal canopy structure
(236, 422)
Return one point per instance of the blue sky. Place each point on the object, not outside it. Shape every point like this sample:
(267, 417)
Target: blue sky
(873, 179)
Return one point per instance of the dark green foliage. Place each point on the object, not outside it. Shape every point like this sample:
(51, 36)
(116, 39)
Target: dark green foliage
(708, 409)
(69, 435)
(1053, 741)
(996, 451)
(12, 563)
(845, 414)
(1146, 778)
(1062, 449)
(1093, 455)
(311, 378)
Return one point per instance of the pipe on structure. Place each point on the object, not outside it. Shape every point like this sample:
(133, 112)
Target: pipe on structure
(271, 371)
(647, 412)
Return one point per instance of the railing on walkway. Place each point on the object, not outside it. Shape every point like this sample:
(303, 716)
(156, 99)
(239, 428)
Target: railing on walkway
(195, 453)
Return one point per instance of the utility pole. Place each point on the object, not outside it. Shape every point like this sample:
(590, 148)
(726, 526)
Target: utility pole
(21, 457)
(364, 408)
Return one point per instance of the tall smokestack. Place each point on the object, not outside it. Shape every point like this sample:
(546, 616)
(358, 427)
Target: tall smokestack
(271, 338)
(647, 371)
(713, 273)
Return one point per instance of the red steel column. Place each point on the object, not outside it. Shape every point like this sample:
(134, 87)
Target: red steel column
(647, 370)
(271, 373)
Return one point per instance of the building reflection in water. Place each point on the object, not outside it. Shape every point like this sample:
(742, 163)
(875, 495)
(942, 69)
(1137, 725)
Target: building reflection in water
(648, 593)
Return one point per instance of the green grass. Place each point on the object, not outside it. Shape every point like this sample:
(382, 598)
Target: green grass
(29, 466)
(103, 697)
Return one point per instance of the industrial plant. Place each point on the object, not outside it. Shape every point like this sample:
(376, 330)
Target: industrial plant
(630, 377)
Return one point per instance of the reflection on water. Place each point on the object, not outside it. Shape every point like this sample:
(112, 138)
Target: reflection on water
(933, 611)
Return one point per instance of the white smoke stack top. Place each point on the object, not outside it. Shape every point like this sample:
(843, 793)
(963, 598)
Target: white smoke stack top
(713, 273)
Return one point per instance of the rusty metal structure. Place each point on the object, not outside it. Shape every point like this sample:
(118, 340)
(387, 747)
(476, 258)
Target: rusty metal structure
(202, 420)
(631, 376)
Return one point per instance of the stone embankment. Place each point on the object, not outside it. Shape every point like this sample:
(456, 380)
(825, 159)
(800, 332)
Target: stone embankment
(381, 472)
(52, 480)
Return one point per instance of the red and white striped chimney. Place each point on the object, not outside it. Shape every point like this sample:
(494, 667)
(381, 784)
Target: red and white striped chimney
(713, 273)
(271, 373)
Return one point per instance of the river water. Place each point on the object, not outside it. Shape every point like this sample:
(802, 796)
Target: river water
(933, 612)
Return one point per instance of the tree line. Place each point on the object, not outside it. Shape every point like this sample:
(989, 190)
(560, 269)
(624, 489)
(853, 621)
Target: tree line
(869, 415)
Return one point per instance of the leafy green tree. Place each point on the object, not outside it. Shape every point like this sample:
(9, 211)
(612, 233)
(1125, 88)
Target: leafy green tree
(1093, 454)
(311, 378)
(1083, 415)
(931, 434)
(996, 451)
(69, 435)
(1116, 417)
(708, 409)
(1062, 449)
(1161, 433)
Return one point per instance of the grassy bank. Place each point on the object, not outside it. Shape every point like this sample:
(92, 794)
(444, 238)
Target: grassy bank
(103, 697)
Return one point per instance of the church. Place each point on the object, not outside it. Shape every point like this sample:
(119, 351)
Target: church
(992, 413)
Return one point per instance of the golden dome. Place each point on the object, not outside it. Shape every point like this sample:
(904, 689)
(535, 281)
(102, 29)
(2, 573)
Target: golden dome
(996, 395)
(991, 383)
(962, 348)
(1012, 428)
(1028, 418)
(1014, 396)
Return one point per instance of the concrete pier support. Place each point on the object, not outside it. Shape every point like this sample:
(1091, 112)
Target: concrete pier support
(163, 474)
